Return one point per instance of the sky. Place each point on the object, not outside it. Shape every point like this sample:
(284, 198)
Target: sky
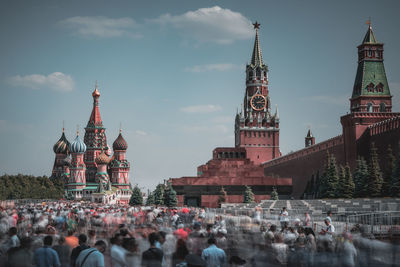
(172, 73)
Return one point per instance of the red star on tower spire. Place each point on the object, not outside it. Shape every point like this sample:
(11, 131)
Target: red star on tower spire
(256, 25)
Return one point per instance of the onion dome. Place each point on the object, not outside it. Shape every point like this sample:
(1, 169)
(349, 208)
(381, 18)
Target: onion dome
(102, 159)
(120, 143)
(61, 147)
(78, 146)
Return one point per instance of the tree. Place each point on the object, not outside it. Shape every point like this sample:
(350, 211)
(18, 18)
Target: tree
(360, 177)
(375, 180)
(222, 196)
(274, 194)
(329, 179)
(170, 199)
(248, 195)
(159, 194)
(312, 186)
(395, 185)
(136, 197)
(341, 182)
(390, 164)
(348, 187)
(150, 199)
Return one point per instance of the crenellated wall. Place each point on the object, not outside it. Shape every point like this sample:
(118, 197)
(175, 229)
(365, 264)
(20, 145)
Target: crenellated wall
(302, 164)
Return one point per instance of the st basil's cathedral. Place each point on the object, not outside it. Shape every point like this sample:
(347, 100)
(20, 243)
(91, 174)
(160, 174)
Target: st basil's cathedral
(87, 168)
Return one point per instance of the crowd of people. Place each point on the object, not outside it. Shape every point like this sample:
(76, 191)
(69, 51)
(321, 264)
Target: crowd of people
(74, 234)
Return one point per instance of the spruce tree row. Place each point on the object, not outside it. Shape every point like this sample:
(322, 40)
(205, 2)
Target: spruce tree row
(367, 179)
(163, 195)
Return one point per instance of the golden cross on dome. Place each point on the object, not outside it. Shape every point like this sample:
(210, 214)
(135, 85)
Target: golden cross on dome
(77, 129)
(63, 125)
(256, 25)
(120, 127)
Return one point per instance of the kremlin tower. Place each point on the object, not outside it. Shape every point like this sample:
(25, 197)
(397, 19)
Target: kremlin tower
(256, 128)
(88, 171)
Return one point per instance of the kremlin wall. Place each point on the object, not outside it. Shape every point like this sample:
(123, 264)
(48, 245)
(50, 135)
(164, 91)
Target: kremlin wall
(256, 160)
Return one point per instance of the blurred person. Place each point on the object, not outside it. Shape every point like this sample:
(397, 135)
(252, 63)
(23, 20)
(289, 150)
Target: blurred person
(153, 256)
(118, 253)
(71, 240)
(92, 257)
(13, 240)
(280, 250)
(347, 253)
(46, 256)
(63, 251)
(91, 237)
(21, 256)
(213, 256)
(82, 239)
(132, 258)
(181, 251)
(284, 218)
(307, 220)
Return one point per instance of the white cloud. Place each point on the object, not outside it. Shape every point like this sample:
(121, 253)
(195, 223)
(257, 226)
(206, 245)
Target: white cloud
(211, 67)
(214, 24)
(201, 109)
(101, 26)
(56, 81)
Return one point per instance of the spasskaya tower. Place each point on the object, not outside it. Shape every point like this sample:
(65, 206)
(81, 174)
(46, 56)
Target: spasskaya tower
(256, 128)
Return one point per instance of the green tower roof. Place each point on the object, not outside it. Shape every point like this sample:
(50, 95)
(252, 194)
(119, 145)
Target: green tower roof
(369, 37)
(371, 76)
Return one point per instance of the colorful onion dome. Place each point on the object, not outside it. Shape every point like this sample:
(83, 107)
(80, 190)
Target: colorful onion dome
(120, 143)
(61, 147)
(78, 146)
(102, 158)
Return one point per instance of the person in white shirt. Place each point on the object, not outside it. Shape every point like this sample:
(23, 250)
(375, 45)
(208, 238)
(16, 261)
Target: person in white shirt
(284, 218)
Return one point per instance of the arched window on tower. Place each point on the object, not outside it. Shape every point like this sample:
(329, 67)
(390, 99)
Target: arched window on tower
(370, 87)
(382, 107)
(369, 107)
(258, 73)
(250, 75)
(379, 87)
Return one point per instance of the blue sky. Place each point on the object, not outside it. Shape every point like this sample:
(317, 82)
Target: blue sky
(172, 72)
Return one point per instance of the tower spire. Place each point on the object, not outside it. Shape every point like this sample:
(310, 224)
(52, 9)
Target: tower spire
(369, 36)
(256, 58)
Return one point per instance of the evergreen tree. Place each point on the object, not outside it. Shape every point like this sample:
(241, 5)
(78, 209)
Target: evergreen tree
(329, 179)
(323, 180)
(390, 164)
(360, 177)
(159, 194)
(375, 180)
(170, 199)
(274, 194)
(341, 182)
(136, 197)
(150, 199)
(395, 185)
(222, 196)
(248, 195)
(348, 188)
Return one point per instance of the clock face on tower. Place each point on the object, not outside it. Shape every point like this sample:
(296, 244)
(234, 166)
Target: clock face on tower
(258, 102)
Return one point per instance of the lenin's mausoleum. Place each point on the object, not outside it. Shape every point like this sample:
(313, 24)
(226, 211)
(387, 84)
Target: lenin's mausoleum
(256, 160)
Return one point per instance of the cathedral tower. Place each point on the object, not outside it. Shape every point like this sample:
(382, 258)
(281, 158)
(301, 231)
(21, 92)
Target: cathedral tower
(310, 139)
(77, 180)
(256, 128)
(371, 101)
(95, 138)
(61, 149)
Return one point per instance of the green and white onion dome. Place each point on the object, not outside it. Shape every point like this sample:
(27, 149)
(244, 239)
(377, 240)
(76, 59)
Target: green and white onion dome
(78, 146)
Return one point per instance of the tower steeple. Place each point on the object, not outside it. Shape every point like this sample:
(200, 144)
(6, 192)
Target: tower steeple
(256, 129)
(256, 58)
(95, 137)
(371, 90)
